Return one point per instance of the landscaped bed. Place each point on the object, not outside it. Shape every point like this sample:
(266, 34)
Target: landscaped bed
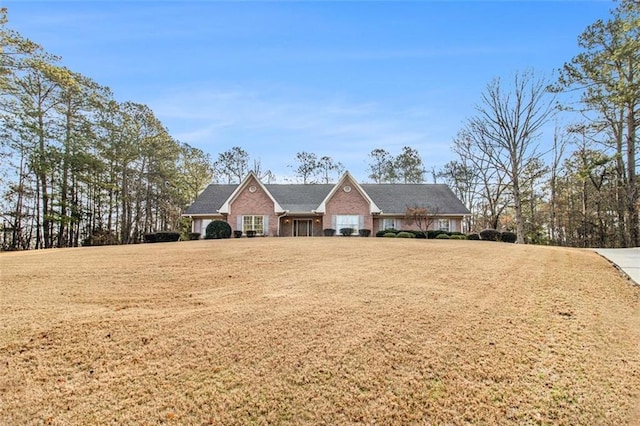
(317, 331)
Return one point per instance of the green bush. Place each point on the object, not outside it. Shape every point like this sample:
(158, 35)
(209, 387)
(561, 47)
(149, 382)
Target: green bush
(475, 237)
(508, 237)
(390, 235)
(161, 237)
(237, 234)
(431, 234)
(458, 237)
(193, 236)
(218, 229)
(346, 231)
(329, 232)
(420, 234)
(405, 234)
(386, 231)
(490, 235)
(443, 236)
(410, 231)
(364, 232)
(250, 233)
(167, 236)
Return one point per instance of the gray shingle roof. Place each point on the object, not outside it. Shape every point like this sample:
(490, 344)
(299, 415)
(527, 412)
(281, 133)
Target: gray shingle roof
(396, 198)
(211, 199)
(300, 198)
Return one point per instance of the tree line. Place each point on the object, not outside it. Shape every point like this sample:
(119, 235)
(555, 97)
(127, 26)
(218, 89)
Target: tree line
(582, 190)
(78, 167)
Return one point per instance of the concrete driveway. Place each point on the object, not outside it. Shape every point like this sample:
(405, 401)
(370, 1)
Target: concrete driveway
(626, 259)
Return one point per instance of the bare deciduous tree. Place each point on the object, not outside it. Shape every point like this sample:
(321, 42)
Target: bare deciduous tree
(233, 165)
(506, 128)
(422, 217)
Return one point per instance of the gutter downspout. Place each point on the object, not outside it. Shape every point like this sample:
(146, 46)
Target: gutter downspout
(284, 213)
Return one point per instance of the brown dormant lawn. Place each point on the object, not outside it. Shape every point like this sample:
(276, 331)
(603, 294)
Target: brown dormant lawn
(318, 331)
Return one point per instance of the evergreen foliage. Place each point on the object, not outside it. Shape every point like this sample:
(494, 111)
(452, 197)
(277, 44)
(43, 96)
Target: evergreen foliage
(218, 229)
(508, 237)
(490, 235)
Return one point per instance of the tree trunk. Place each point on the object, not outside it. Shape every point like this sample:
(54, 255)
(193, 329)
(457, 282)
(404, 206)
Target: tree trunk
(517, 205)
(632, 186)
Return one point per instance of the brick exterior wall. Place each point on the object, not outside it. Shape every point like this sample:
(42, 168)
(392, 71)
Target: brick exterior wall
(253, 203)
(454, 223)
(342, 203)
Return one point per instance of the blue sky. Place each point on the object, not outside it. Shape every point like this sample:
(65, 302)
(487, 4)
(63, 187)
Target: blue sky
(333, 78)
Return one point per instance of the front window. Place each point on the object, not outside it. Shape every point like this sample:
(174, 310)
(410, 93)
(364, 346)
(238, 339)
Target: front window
(253, 223)
(348, 221)
(443, 225)
(388, 224)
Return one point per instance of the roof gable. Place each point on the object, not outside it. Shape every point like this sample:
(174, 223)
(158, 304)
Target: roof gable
(251, 177)
(347, 178)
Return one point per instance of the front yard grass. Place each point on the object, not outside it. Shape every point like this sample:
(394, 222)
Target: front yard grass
(317, 331)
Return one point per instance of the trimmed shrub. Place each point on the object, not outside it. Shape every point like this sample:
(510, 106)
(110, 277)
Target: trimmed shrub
(364, 232)
(237, 234)
(251, 234)
(346, 231)
(490, 235)
(193, 236)
(457, 237)
(475, 237)
(150, 238)
(329, 232)
(452, 233)
(218, 229)
(162, 237)
(431, 234)
(508, 237)
(410, 231)
(386, 231)
(443, 236)
(167, 236)
(405, 234)
(390, 235)
(420, 234)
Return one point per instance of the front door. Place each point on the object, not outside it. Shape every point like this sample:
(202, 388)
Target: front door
(302, 228)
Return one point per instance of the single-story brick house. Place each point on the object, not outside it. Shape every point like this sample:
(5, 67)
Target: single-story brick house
(307, 209)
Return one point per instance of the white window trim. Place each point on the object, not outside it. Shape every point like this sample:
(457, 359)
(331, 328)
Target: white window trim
(252, 225)
(355, 226)
(393, 220)
(448, 225)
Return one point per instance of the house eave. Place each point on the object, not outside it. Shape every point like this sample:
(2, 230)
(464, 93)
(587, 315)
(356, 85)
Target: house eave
(201, 214)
